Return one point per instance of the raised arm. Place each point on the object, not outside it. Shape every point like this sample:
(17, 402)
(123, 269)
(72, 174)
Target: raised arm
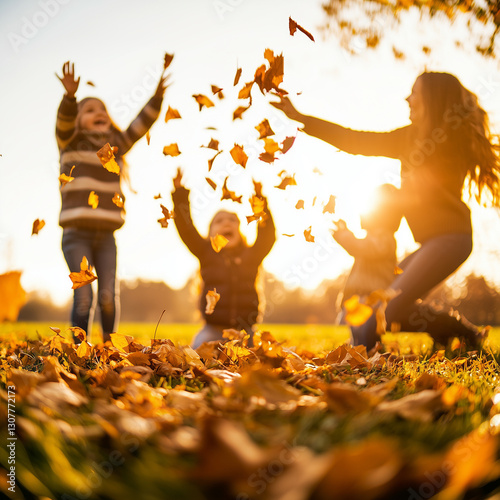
(266, 235)
(351, 141)
(144, 120)
(66, 114)
(371, 247)
(183, 221)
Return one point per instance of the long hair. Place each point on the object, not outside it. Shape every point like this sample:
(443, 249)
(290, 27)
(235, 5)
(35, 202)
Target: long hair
(455, 110)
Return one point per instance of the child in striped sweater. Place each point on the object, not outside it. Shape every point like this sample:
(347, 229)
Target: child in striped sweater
(82, 128)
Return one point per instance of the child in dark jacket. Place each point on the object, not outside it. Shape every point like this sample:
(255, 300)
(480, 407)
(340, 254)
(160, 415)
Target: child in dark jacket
(231, 272)
(82, 128)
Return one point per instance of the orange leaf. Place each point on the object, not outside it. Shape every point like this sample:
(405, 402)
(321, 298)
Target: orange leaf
(157, 196)
(239, 156)
(78, 332)
(212, 298)
(287, 144)
(238, 112)
(229, 195)
(84, 277)
(237, 77)
(218, 242)
(308, 236)
(117, 200)
(258, 188)
(286, 181)
(211, 183)
(246, 91)
(107, 157)
(264, 129)
(171, 150)
(203, 100)
(213, 144)
(37, 226)
(300, 204)
(172, 114)
(267, 157)
(211, 161)
(91, 84)
(84, 350)
(330, 206)
(148, 137)
(397, 270)
(356, 312)
(93, 200)
(293, 26)
(167, 215)
(167, 60)
(218, 91)
(257, 203)
(12, 296)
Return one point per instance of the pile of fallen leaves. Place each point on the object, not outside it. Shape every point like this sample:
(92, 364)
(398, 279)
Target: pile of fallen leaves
(228, 421)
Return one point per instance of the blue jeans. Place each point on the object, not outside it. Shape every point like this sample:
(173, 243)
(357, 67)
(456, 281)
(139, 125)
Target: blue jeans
(425, 268)
(100, 249)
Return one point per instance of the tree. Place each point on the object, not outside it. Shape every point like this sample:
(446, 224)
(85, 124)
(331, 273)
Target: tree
(367, 20)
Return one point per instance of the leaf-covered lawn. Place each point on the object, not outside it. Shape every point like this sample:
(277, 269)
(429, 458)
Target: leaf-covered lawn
(158, 420)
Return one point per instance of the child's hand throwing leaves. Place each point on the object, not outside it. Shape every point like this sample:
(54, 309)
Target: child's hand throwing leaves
(68, 79)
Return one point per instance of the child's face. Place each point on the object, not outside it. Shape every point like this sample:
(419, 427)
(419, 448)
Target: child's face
(226, 224)
(93, 116)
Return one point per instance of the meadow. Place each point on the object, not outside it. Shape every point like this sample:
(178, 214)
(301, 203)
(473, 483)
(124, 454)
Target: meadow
(299, 416)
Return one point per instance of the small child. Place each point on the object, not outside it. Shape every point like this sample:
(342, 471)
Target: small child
(82, 128)
(232, 272)
(375, 258)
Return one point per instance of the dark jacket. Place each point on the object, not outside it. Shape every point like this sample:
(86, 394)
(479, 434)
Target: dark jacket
(232, 272)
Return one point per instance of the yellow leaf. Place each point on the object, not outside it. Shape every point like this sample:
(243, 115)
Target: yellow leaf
(107, 157)
(308, 236)
(171, 150)
(264, 129)
(117, 200)
(212, 298)
(356, 312)
(239, 156)
(64, 179)
(245, 92)
(271, 146)
(330, 206)
(121, 342)
(93, 200)
(203, 100)
(84, 350)
(218, 242)
(12, 296)
(84, 277)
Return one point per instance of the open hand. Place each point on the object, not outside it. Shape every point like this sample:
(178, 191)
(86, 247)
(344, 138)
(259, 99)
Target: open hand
(68, 79)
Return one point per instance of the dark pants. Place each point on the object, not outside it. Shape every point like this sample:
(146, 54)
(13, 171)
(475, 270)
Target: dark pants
(100, 249)
(432, 263)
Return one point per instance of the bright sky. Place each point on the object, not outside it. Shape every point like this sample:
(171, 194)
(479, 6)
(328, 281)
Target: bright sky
(119, 46)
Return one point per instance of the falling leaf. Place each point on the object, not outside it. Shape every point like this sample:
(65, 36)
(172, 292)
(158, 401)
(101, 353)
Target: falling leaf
(90, 83)
(293, 26)
(211, 161)
(157, 197)
(271, 146)
(172, 114)
(203, 100)
(316, 170)
(84, 277)
(212, 298)
(397, 270)
(287, 144)
(107, 157)
(308, 236)
(218, 91)
(271, 78)
(257, 204)
(218, 242)
(171, 150)
(238, 112)
(213, 144)
(237, 77)
(211, 183)
(64, 179)
(12, 296)
(288, 235)
(148, 137)
(229, 195)
(286, 181)
(330, 206)
(267, 157)
(264, 129)
(245, 92)
(93, 200)
(167, 60)
(257, 186)
(299, 205)
(356, 312)
(167, 215)
(117, 200)
(37, 226)
(239, 156)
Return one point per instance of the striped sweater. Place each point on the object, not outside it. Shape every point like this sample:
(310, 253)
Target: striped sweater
(78, 148)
